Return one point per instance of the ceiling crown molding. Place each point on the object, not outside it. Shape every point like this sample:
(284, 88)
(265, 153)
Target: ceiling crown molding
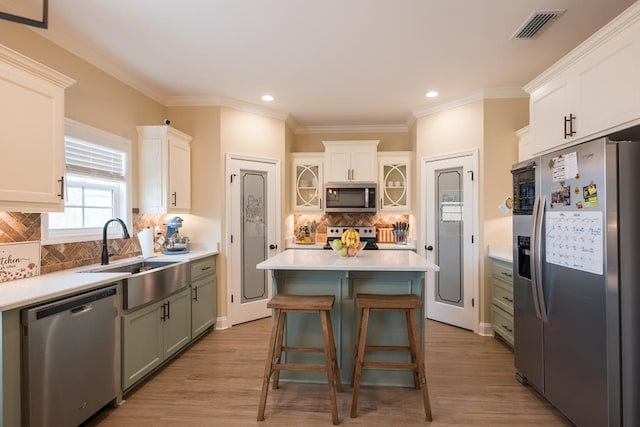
(402, 128)
(212, 100)
(497, 93)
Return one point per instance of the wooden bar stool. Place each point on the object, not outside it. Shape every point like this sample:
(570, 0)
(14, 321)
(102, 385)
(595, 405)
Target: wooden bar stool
(377, 302)
(283, 304)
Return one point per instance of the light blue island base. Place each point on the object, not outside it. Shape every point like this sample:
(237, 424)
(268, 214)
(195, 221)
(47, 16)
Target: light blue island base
(326, 274)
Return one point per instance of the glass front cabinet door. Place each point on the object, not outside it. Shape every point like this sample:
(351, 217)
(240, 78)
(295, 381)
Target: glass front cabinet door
(394, 181)
(307, 182)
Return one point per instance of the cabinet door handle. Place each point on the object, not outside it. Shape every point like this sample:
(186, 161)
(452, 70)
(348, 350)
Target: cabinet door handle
(506, 274)
(572, 119)
(568, 126)
(507, 299)
(164, 312)
(174, 197)
(195, 293)
(168, 309)
(206, 268)
(61, 181)
(507, 328)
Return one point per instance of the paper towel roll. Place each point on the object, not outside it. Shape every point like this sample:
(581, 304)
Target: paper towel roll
(145, 238)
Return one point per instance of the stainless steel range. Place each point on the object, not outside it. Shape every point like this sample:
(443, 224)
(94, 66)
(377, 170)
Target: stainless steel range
(367, 234)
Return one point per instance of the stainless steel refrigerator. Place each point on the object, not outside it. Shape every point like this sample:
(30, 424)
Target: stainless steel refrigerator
(576, 242)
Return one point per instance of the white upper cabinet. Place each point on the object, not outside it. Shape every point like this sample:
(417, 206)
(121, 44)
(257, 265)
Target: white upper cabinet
(351, 160)
(524, 144)
(307, 185)
(554, 114)
(32, 134)
(394, 181)
(592, 91)
(165, 170)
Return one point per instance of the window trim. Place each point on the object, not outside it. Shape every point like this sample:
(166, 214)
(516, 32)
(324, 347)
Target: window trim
(93, 135)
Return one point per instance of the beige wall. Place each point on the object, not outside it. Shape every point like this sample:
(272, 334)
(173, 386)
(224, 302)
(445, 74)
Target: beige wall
(289, 142)
(502, 118)
(96, 99)
(248, 134)
(104, 102)
(488, 126)
(203, 225)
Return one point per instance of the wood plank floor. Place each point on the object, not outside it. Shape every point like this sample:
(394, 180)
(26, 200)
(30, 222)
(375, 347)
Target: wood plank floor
(217, 382)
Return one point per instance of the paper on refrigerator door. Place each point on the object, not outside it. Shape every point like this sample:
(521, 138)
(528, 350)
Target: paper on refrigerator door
(145, 238)
(575, 240)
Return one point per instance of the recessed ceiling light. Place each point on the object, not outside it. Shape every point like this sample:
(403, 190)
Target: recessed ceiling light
(268, 98)
(431, 94)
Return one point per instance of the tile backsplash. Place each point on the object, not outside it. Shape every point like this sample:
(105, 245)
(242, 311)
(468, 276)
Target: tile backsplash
(25, 227)
(344, 219)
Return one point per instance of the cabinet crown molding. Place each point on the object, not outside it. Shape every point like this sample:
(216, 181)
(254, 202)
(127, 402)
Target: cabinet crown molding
(614, 27)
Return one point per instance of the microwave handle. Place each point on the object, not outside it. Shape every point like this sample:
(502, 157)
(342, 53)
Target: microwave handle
(366, 197)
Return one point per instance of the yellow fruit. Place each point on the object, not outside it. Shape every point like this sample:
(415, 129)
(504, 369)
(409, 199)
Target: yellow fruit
(350, 238)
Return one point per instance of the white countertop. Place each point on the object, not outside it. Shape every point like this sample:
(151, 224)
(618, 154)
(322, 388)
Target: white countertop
(293, 245)
(46, 287)
(410, 246)
(500, 252)
(301, 259)
(384, 246)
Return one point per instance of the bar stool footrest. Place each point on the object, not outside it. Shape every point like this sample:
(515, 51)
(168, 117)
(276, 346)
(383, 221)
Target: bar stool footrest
(390, 365)
(300, 367)
(303, 350)
(403, 349)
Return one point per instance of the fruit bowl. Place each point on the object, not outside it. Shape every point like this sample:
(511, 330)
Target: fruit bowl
(347, 251)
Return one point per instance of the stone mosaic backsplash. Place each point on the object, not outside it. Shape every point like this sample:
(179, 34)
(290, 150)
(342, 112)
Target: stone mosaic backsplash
(25, 227)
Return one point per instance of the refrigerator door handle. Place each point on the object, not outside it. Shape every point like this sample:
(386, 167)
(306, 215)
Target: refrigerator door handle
(542, 306)
(532, 257)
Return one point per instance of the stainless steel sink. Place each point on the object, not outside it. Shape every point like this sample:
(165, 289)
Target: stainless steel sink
(135, 268)
(149, 280)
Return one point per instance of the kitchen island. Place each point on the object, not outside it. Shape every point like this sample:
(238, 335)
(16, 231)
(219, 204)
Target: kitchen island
(313, 272)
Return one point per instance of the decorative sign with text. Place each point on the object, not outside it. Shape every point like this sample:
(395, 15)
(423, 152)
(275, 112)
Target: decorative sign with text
(19, 260)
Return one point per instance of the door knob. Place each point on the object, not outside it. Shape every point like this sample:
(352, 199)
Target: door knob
(429, 248)
(272, 246)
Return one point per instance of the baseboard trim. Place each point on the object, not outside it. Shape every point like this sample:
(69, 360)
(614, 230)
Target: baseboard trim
(486, 329)
(222, 323)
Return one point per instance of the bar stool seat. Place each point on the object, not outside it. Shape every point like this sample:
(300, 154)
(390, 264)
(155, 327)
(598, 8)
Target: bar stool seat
(376, 302)
(283, 304)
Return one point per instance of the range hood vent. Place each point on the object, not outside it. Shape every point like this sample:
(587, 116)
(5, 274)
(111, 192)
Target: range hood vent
(535, 23)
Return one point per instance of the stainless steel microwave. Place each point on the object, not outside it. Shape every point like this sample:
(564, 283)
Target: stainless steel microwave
(356, 197)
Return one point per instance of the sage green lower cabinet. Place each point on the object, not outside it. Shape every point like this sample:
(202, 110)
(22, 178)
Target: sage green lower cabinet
(502, 300)
(203, 295)
(154, 333)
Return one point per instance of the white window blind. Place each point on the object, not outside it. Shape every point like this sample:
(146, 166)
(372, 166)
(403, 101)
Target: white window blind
(96, 160)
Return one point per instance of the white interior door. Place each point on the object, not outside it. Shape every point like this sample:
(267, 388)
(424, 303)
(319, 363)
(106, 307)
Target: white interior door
(253, 236)
(450, 216)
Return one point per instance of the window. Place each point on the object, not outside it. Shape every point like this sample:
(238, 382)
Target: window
(97, 185)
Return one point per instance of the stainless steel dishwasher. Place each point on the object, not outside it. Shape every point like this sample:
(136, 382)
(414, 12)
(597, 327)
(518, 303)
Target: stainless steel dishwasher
(70, 358)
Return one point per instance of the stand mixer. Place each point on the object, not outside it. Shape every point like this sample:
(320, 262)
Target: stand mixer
(174, 243)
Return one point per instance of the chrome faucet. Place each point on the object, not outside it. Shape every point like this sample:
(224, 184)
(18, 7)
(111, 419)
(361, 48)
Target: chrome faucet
(125, 235)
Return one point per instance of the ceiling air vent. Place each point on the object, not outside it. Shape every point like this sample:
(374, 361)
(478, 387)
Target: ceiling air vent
(535, 23)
